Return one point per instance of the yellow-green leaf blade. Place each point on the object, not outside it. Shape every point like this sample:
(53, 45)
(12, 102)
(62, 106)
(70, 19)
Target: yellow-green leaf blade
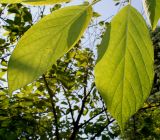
(43, 2)
(152, 9)
(124, 70)
(34, 2)
(46, 42)
(10, 1)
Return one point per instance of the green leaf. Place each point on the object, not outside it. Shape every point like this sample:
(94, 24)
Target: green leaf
(152, 9)
(42, 2)
(124, 70)
(10, 1)
(34, 2)
(45, 42)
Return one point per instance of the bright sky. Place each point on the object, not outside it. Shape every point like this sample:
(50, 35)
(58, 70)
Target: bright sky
(106, 7)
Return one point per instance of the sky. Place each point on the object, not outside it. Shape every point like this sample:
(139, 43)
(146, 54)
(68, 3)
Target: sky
(106, 7)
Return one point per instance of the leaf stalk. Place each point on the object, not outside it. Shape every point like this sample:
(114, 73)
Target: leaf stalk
(95, 1)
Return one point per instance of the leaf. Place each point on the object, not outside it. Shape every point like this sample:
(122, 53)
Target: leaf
(10, 1)
(45, 42)
(124, 70)
(34, 2)
(42, 2)
(152, 9)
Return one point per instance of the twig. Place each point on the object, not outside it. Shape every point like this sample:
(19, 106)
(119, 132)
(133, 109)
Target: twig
(101, 130)
(70, 106)
(92, 118)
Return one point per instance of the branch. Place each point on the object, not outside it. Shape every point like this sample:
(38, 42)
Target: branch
(50, 92)
(92, 118)
(3, 20)
(101, 130)
(6, 55)
(150, 106)
(76, 126)
(91, 90)
(70, 106)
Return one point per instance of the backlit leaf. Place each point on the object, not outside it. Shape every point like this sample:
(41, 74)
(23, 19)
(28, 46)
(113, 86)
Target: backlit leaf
(46, 42)
(124, 70)
(34, 2)
(152, 9)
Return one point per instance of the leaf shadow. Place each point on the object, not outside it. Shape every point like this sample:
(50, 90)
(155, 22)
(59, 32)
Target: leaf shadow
(153, 11)
(76, 29)
(104, 44)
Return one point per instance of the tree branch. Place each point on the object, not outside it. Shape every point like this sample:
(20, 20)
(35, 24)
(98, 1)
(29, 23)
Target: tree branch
(70, 106)
(101, 130)
(150, 106)
(50, 92)
(76, 126)
(92, 118)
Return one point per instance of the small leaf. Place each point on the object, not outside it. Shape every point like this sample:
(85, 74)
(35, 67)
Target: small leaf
(152, 9)
(96, 15)
(124, 70)
(45, 42)
(34, 2)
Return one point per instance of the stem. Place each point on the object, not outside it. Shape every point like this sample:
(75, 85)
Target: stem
(95, 1)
